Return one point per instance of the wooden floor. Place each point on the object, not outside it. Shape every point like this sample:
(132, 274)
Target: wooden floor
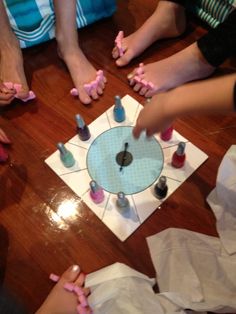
(34, 239)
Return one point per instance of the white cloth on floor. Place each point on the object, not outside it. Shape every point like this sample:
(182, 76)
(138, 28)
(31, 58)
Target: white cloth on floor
(194, 271)
(119, 289)
(223, 201)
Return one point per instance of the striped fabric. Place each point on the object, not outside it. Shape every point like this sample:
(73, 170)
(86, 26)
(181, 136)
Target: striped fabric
(33, 21)
(212, 12)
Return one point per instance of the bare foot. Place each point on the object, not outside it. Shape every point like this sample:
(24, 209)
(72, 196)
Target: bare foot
(11, 65)
(61, 301)
(168, 20)
(82, 72)
(184, 66)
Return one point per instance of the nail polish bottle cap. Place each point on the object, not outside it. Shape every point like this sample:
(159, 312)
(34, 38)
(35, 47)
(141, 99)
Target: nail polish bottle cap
(161, 182)
(79, 121)
(117, 101)
(94, 186)
(61, 148)
(180, 149)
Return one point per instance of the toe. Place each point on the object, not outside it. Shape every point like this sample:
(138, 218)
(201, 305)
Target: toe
(71, 274)
(125, 59)
(94, 94)
(83, 96)
(115, 53)
(143, 91)
(137, 87)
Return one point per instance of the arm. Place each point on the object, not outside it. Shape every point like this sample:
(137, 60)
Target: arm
(211, 96)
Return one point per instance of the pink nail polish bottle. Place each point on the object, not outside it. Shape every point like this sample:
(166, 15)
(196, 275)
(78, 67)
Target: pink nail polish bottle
(167, 134)
(96, 193)
(178, 158)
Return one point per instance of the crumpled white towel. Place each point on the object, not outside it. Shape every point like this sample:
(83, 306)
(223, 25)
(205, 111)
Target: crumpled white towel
(194, 271)
(222, 201)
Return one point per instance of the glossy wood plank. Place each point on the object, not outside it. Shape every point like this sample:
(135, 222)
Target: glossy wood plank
(36, 238)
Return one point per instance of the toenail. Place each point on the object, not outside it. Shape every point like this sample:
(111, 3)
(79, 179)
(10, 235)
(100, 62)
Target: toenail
(75, 268)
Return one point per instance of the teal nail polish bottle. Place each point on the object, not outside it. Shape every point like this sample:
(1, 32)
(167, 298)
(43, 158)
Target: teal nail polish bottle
(65, 156)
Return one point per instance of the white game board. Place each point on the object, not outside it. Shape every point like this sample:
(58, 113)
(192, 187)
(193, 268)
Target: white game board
(138, 178)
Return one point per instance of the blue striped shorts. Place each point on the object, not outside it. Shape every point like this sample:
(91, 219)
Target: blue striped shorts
(212, 12)
(33, 21)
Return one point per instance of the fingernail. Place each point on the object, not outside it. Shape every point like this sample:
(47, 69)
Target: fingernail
(75, 268)
(130, 76)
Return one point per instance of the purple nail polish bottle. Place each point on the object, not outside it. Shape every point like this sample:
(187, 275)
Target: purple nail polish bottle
(82, 128)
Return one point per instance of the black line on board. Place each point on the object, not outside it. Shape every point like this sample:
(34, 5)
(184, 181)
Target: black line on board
(135, 207)
(108, 199)
(108, 120)
(64, 174)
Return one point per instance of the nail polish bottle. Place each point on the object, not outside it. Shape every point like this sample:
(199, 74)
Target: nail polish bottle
(65, 156)
(82, 128)
(122, 203)
(178, 158)
(161, 188)
(167, 134)
(119, 110)
(96, 192)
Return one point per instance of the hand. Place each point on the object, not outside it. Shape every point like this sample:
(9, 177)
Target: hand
(6, 95)
(154, 117)
(3, 138)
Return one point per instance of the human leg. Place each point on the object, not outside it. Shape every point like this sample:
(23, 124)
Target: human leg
(168, 20)
(81, 70)
(11, 60)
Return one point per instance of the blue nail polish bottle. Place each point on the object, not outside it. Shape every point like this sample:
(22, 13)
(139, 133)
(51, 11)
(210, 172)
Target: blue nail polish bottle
(66, 156)
(82, 128)
(119, 110)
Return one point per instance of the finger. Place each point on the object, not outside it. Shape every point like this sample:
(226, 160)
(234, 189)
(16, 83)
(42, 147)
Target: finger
(137, 130)
(149, 132)
(6, 102)
(3, 137)
(5, 90)
(6, 96)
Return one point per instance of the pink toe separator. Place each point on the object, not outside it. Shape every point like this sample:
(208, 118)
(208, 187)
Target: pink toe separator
(69, 286)
(118, 40)
(31, 95)
(90, 86)
(137, 78)
(54, 277)
(17, 87)
(74, 92)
